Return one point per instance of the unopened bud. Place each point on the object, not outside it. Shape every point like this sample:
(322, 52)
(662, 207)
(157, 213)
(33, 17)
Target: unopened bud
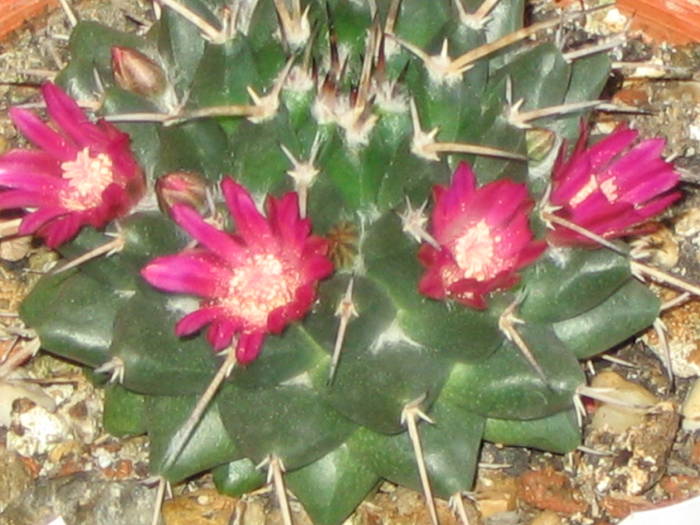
(181, 187)
(539, 142)
(137, 73)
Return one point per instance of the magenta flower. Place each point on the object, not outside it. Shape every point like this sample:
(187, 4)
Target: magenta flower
(254, 282)
(611, 187)
(484, 238)
(84, 173)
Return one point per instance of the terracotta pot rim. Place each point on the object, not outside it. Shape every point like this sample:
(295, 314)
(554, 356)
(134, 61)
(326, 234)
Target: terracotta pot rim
(674, 21)
(15, 13)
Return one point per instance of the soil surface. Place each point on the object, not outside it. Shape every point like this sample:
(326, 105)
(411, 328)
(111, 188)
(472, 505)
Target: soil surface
(56, 462)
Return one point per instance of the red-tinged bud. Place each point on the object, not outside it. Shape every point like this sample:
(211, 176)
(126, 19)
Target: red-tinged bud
(137, 73)
(181, 187)
(612, 187)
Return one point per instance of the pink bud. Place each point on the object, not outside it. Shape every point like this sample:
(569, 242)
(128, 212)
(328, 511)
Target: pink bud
(181, 187)
(137, 73)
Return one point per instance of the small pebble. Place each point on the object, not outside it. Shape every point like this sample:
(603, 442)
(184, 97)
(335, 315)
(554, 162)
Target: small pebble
(691, 408)
(619, 418)
(546, 517)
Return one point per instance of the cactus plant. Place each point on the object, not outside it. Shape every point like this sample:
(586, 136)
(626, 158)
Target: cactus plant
(358, 303)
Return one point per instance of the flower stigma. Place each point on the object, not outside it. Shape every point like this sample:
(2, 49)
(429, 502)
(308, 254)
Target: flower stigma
(259, 287)
(87, 178)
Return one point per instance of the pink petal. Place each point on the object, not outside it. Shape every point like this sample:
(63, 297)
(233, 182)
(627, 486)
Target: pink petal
(498, 201)
(14, 199)
(61, 229)
(620, 216)
(220, 333)
(431, 284)
(280, 317)
(118, 148)
(30, 162)
(461, 189)
(449, 202)
(207, 235)
(249, 346)
(115, 203)
(464, 180)
(468, 292)
(604, 151)
(277, 320)
(303, 299)
(531, 253)
(190, 273)
(314, 245)
(37, 182)
(250, 223)
(427, 255)
(317, 267)
(510, 241)
(43, 136)
(570, 181)
(594, 206)
(659, 205)
(194, 321)
(283, 215)
(71, 118)
(33, 221)
(637, 166)
(651, 182)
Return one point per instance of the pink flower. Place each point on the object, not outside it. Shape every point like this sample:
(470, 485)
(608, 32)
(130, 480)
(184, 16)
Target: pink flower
(611, 187)
(84, 173)
(253, 282)
(484, 238)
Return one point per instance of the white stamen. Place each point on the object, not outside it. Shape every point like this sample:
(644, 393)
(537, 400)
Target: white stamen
(474, 253)
(87, 178)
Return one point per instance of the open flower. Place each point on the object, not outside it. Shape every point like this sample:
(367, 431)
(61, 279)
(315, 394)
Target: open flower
(484, 238)
(611, 187)
(83, 174)
(253, 282)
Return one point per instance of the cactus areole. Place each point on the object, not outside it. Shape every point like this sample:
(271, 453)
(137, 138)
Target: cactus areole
(363, 207)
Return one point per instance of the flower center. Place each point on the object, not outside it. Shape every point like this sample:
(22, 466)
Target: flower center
(87, 177)
(259, 287)
(474, 253)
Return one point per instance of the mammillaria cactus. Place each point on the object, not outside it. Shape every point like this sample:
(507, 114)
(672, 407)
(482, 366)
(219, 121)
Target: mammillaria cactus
(467, 307)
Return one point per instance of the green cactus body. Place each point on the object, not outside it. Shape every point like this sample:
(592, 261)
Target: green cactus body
(341, 88)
